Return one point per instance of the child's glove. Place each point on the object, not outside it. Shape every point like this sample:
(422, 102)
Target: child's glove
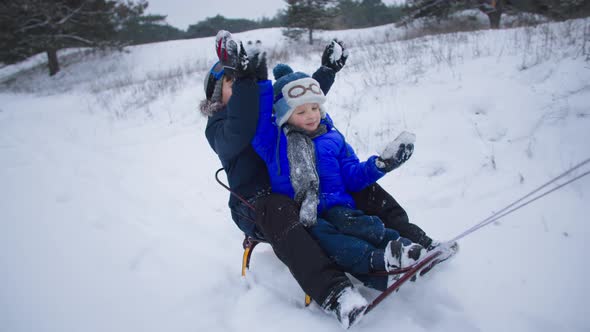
(397, 152)
(232, 56)
(258, 63)
(257, 60)
(335, 55)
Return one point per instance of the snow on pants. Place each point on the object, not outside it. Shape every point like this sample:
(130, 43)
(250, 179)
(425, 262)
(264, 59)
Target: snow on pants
(374, 200)
(277, 221)
(351, 238)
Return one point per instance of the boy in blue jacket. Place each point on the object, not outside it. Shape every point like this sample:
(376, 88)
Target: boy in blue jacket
(310, 161)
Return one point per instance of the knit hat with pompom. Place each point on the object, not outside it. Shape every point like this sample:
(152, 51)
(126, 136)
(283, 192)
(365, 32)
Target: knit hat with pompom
(293, 89)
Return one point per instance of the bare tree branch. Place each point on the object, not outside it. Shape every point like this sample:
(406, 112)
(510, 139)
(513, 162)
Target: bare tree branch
(32, 26)
(74, 37)
(72, 13)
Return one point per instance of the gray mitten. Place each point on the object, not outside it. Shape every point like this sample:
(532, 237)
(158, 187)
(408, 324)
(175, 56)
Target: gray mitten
(397, 152)
(232, 55)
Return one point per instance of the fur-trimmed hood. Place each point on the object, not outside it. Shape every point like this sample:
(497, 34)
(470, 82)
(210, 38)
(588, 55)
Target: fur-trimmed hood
(208, 107)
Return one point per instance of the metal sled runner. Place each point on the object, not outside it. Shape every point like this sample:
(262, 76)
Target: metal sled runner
(249, 244)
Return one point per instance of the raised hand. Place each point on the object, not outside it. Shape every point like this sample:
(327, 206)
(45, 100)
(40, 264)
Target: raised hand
(335, 55)
(232, 55)
(221, 48)
(397, 152)
(258, 64)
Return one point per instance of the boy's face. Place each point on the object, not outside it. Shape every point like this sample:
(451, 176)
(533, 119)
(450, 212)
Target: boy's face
(306, 117)
(226, 89)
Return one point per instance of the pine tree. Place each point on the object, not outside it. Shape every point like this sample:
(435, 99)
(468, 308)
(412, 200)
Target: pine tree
(307, 15)
(442, 8)
(563, 9)
(365, 13)
(33, 26)
(555, 9)
(148, 29)
(211, 25)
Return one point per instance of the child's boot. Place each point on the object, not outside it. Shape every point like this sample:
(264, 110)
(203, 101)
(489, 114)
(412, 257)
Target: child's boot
(398, 255)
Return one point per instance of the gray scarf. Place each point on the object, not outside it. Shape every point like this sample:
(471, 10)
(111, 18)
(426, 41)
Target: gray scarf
(303, 173)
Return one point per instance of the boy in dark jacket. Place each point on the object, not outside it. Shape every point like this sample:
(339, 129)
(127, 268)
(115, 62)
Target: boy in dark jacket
(232, 104)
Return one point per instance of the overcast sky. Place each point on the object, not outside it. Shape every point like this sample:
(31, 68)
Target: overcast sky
(182, 13)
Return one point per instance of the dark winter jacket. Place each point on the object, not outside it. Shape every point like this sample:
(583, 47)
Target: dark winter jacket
(229, 132)
(338, 167)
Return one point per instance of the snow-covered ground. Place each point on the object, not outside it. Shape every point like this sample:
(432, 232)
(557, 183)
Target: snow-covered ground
(111, 220)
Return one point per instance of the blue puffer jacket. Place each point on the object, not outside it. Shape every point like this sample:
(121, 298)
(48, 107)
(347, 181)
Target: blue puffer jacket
(338, 167)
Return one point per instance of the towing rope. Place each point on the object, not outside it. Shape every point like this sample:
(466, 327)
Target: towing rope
(242, 199)
(527, 199)
(510, 208)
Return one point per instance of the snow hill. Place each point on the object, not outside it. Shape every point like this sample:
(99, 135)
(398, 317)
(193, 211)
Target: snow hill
(111, 220)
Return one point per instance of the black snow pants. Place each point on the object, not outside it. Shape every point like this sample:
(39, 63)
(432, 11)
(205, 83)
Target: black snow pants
(374, 200)
(277, 220)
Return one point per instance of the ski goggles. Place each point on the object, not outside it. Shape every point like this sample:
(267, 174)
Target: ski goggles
(299, 90)
(215, 73)
(217, 70)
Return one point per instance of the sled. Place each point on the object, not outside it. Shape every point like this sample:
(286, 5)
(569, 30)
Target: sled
(408, 273)
(249, 244)
(419, 268)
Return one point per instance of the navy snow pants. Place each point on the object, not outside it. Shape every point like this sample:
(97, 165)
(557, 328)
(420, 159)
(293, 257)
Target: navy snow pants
(353, 240)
